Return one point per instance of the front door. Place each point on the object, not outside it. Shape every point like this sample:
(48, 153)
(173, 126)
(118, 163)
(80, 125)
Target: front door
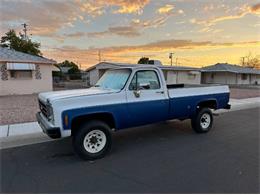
(147, 101)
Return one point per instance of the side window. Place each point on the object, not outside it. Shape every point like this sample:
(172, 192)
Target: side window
(145, 80)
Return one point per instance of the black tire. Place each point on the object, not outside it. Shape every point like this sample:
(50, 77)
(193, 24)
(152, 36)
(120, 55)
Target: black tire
(87, 134)
(199, 122)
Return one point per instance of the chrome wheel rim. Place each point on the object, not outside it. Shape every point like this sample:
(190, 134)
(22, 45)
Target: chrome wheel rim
(205, 121)
(94, 141)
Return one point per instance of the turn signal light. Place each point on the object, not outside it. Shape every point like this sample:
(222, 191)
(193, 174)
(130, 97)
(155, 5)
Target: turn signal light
(66, 120)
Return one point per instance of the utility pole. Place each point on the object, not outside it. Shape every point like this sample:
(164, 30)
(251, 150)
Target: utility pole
(176, 61)
(170, 56)
(25, 30)
(243, 61)
(99, 56)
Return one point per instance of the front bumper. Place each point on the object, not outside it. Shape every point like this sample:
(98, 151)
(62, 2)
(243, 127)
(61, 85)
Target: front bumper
(53, 132)
(228, 107)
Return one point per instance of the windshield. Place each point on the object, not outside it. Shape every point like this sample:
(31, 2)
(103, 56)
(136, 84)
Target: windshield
(114, 79)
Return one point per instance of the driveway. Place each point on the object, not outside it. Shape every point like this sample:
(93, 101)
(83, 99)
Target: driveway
(162, 158)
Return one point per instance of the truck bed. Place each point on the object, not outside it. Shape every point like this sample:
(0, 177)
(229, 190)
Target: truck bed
(185, 98)
(183, 90)
(182, 85)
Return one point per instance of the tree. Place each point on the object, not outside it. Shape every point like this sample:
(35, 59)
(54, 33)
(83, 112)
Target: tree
(11, 40)
(73, 72)
(250, 61)
(143, 60)
(74, 67)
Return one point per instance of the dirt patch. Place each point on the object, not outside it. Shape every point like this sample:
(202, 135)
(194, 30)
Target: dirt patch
(18, 109)
(240, 93)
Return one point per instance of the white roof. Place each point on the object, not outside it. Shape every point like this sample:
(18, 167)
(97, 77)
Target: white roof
(108, 65)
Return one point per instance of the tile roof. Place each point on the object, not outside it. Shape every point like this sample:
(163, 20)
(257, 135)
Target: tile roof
(10, 55)
(224, 67)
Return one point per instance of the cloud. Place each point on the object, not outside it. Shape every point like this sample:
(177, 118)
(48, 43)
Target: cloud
(127, 31)
(43, 17)
(96, 8)
(254, 9)
(48, 17)
(133, 6)
(133, 29)
(156, 50)
(163, 45)
(165, 9)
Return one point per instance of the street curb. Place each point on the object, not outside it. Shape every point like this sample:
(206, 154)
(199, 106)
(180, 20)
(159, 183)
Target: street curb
(19, 129)
(21, 140)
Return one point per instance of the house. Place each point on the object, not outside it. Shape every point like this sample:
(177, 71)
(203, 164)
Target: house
(173, 74)
(181, 74)
(223, 73)
(22, 73)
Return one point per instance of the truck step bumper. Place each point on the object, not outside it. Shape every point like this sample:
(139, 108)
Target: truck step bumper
(52, 132)
(228, 107)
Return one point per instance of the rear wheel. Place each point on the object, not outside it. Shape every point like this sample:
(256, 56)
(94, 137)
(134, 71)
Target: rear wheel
(92, 140)
(203, 121)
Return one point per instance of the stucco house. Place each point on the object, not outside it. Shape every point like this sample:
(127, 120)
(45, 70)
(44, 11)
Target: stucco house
(173, 74)
(223, 73)
(22, 73)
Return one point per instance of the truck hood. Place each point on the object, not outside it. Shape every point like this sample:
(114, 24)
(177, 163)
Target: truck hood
(52, 96)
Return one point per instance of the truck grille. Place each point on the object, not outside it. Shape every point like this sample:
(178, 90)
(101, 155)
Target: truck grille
(43, 109)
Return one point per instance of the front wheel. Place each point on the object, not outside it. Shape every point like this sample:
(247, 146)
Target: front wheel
(203, 121)
(92, 140)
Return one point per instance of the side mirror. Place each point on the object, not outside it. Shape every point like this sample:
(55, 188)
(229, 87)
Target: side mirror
(137, 93)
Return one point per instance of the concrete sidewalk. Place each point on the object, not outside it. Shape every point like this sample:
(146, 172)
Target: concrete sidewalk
(32, 128)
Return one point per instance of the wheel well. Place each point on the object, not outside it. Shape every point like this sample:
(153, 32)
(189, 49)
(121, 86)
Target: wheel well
(80, 120)
(208, 104)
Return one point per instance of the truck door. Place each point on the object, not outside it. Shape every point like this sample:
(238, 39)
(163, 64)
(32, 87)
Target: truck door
(147, 101)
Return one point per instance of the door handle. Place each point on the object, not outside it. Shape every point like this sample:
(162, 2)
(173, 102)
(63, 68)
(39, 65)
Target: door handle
(161, 92)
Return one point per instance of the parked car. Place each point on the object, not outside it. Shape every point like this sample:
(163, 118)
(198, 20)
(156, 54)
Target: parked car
(123, 98)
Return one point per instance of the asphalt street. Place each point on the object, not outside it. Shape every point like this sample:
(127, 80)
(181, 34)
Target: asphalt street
(162, 158)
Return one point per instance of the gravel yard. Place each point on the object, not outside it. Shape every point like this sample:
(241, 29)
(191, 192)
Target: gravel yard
(18, 109)
(22, 108)
(240, 93)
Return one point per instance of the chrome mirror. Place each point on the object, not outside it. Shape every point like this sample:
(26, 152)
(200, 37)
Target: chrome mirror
(137, 93)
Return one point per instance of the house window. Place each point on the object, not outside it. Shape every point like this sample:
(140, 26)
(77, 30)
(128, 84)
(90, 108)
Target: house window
(191, 76)
(21, 74)
(244, 76)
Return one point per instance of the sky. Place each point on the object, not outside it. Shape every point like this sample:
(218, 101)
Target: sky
(198, 32)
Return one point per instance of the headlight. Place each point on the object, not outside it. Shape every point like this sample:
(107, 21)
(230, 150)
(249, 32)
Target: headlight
(50, 116)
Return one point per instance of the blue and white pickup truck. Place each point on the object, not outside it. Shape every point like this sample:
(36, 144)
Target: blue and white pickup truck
(123, 98)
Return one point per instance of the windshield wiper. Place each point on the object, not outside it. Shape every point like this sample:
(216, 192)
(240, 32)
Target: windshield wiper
(96, 85)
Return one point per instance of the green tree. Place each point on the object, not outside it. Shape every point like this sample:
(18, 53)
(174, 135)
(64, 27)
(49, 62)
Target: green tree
(11, 40)
(143, 60)
(73, 72)
(74, 67)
